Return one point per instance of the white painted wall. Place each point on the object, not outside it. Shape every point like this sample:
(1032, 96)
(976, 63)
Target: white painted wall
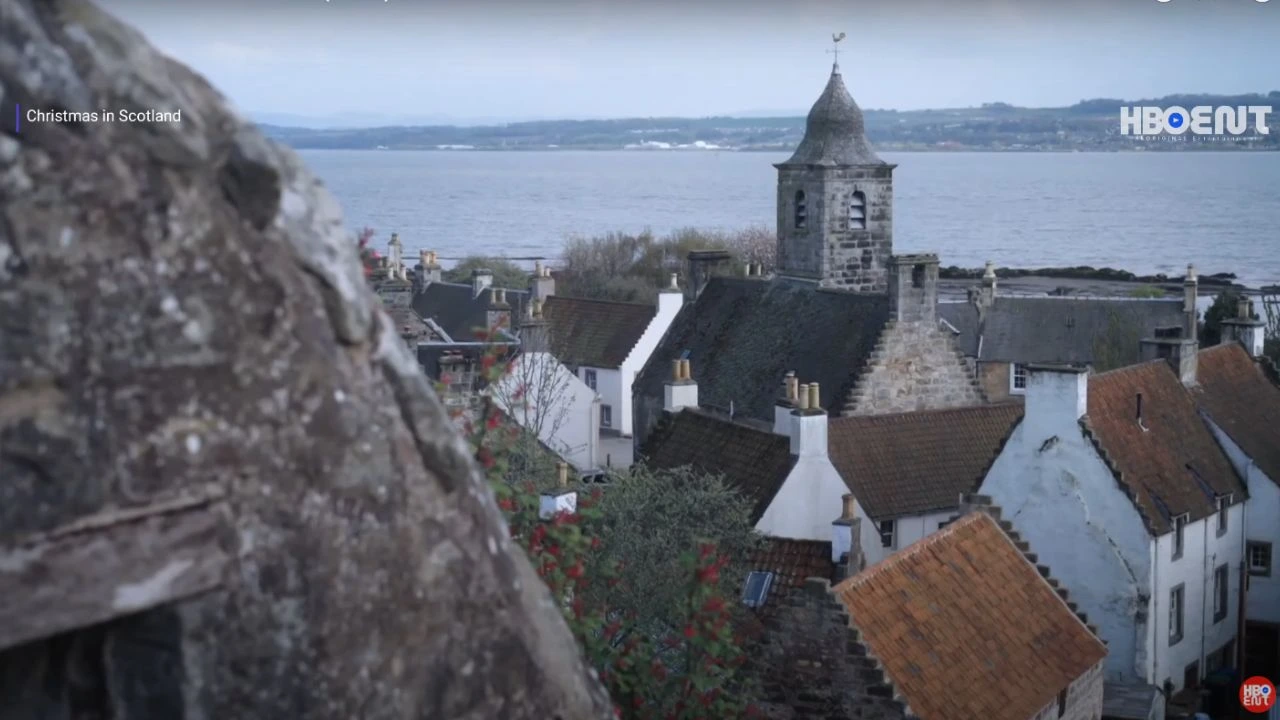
(913, 528)
(669, 304)
(810, 498)
(1202, 552)
(1062, 498)
(609, 387)
(575, 434)
(1262, 524)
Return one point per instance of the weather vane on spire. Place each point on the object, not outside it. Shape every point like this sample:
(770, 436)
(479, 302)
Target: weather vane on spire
(835, 50)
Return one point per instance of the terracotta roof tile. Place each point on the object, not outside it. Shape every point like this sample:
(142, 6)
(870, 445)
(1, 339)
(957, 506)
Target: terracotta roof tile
(595, 333)
(1242, 401)
(1170, 463)
(967, 628)
(918, 462)
(793, 561)
(756, 461)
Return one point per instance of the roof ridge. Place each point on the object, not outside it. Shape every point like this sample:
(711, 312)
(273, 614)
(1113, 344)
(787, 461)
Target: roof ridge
(905, 414)
(904, 554)
(1106, 298)
(602, 301)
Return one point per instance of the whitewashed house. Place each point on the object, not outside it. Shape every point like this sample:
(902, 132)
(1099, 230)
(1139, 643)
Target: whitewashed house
(1242, 406)
(1119, 485)
(607, 343)
(541, 395)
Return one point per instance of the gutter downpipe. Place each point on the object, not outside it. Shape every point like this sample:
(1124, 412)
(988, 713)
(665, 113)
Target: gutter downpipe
(1204, 591)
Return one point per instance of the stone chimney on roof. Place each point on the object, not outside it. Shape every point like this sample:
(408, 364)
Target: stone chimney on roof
(481, 279)
(809, 423)
(1057, 397)
(984, 295)
(787, 402)
(498, 313)
(1180, 352)
(541, 284)
(846, 538)
(680, 391)
(1245, 328)
(1190, 293)
(431, 270)
(913, 288)
(534, 332)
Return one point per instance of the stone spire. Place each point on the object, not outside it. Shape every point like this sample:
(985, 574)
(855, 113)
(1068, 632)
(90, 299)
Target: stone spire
(834, 132)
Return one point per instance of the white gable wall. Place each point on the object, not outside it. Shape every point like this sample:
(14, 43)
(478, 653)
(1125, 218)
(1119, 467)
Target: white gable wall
(609, 387)
(565, 411)
(1262, 524)
(808, 502)
(669, 304)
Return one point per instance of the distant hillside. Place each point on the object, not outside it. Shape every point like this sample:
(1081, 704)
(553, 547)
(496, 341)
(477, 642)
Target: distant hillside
(1089, 125)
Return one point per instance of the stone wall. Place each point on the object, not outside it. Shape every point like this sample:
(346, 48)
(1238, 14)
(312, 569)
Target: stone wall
(993, 377)
(182, 314)
(829, 248)
(915, 366)
(809, 663)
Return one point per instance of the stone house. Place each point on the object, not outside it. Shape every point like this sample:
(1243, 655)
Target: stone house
(1001, 336)
(1122, 488)
(606, 343)
(841, 310)
(961, 625)
(1242, 407)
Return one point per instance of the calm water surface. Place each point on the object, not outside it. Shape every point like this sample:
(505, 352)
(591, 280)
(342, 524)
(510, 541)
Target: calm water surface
(1146, 212)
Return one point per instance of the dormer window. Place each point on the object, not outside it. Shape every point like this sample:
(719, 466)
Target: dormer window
(802, 211)
(858, 211)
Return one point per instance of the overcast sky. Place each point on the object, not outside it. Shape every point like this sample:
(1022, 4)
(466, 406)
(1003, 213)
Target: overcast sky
(606, 58)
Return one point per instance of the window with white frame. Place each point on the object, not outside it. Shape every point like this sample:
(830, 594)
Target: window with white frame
(1017, 378)
(606, 416)
(887, 532)
(589, 377)
(1259, 556)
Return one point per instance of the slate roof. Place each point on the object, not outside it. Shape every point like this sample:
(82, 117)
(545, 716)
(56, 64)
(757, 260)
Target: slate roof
(1243, 402)
(834, 131)
(967, 628)
(452, 307)
(754, 460)
(429, 354)
(595, 333)
(742, 335)
(1103, 332)
(1170, 464)
(918, 462)
(411, 327)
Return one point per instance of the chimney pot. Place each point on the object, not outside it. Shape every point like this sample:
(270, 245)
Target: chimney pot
(537, 268)
(562, 474)
(1191, 273)
(849, 504)
(686, 373)
(814, 403)
(990, 271)
(803, 398)
(675, 281)
(1244, 308)
(676, 368)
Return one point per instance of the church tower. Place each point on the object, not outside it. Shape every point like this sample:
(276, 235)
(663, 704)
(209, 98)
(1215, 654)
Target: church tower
(835, 200)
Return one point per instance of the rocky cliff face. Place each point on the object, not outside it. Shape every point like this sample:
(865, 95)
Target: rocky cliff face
(186, 337)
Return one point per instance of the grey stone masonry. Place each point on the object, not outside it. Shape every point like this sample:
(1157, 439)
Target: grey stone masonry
(835, 225)
(810, 664)
(1084, 698)
(915, 366)
(913, 288)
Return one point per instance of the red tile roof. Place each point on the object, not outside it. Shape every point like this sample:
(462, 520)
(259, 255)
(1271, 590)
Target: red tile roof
(918, 462)
(793, 561)
(967, 628)
(1170, 463)
(595, 333)
(1243, 402)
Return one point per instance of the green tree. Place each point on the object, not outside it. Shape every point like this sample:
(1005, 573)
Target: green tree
(1147, 291)
(506, 273)
(1223, 308)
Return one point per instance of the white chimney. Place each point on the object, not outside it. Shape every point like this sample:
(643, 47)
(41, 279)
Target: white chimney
(1244, 329)
(1056, 394)
(541, 284)
(559, 500)
(431, 267)
(481, 278)
(809, 424)
(680, 391)
(845, 532)
(786, 403)
(671, 298)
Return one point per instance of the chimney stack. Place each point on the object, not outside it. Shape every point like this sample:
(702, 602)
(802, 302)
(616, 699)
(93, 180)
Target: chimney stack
(1180, 352)
(1244, 328)
(534, 331)
(498, 314)
(431, 270)
(1190, 293)
(913, 288)
(541, 284)
(481, 279)
(1057, 396)
(559, 500)
(846, 538)
(809, 424)
(787, 402)
(985, 295)
(670, 300)
(680, 391)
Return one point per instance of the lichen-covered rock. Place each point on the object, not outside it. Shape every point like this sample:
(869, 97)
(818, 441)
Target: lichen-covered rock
(181, 308)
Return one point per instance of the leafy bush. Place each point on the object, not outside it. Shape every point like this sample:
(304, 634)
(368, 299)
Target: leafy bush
(506, 273)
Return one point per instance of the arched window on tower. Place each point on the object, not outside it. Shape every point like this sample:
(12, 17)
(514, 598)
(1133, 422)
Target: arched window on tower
(858, 211)
(802, 211)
